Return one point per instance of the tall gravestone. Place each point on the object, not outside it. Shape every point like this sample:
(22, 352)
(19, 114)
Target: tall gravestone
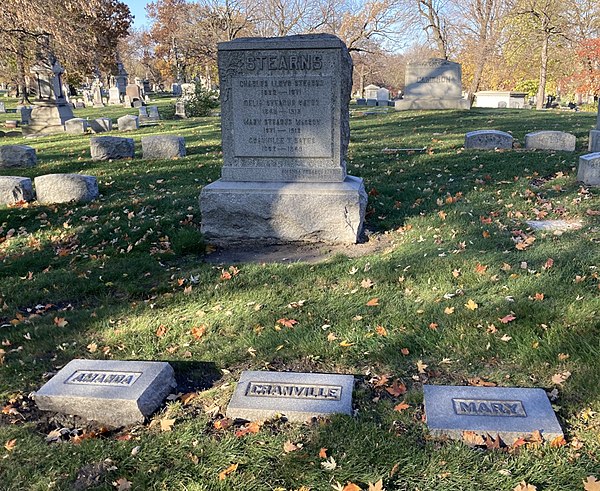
(121, 78)
(595, 135)
(285, 129)
(50, 110)
(432, 84)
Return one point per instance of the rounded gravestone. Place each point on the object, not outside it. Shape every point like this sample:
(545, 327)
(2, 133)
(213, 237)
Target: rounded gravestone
(129, 122)
(101, 125)
(488, 139)
(589, 169)
(551, 140)
(65, 188)
(163, 147)
(111, 147)
(14, 189)
(76, 126)
(17, 156)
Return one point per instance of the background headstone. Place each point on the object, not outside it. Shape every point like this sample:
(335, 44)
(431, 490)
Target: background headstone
(65, 188)
(76, 126)
(17, 156)
(488, 139)
(2, 107)
(285, 129)
(180, 110)
(589, 169)
(163, 147)
(551, 140)
(594, 145)
(111, 147)
(101, 125)
(115, 393)
(129, 122)
(114, 96)
(14, 189)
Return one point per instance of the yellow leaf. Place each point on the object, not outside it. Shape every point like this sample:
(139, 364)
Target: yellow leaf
(373, 302)
(523, 486)
(378, 486)
(346, 344)
(10, 444)
(421, 366)
(471, 305)
(442, 214)
(166, 424)
(591, 484)
(381, 331)
(224, 473)
(449, 310)
(60, 321)
(186, 398)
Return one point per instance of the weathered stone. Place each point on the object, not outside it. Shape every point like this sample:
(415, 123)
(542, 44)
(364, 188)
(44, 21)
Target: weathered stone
(11, 123)
(114, 96)
(284, 121)
(48, 118)
(488, 139)
(17, 156)
(551, 140)
(554, 225)
(594, 145)
(297, 396)
(25, 114)
(129, 122)
(180, 110)
(76, 126)
(2, 108)
(65, 188)
(511, 413)
(101, 125)
(111, 392)
(589, 169)
(432, 84)
(163, 147)
(14, 189)
(111, 147)
(268, 212)
(153, 113)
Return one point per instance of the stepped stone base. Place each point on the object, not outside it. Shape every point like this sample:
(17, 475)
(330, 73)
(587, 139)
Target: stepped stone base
(47, 119)
(421, 104)
(278, 212)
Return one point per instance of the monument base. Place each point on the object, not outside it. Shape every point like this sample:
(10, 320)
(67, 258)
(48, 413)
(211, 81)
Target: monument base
(279, 212)
(420, 104)
(47, 119)
(594, 141)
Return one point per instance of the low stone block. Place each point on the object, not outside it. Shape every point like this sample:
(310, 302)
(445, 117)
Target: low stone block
(589, 169)
(65, 188)
(551, 140)
(554, 225)
(111, 147)
(14, 189)
(297, 396)
(594, 145)
(512, 413)
(114, 393)
(101, 125)
(488, 139)
(412, 104)
(163, 147)
(17, 156)
(275, 212)
(76, 126)
(129, 122)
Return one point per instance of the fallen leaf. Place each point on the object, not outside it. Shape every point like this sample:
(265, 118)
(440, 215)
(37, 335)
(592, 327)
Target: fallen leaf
(471, 305)
(405, 351)
(10, 444)
(250, 428)
(373, 302)
(346, 344)
(186, 398)
(559, 441)
(122, 484)
(523, 486)
(166, 424)
(433, 326)
(449, 310)
(351, 487)
(367, 283)
(222, 424)
(287, 322)
(60, 321)
(591, 484)
(161, 331)
(381, 331)
(480, 268)
(288, 447)
(560, 378)
(548, 264)
(331, 337)
(397, 388)
(401, 407)
(472, 438)
(479, 382)
(323, 453)
(224, 473)
(198, 331)
(378, 486)
(329, 464)
(507, 318)
(421, 367)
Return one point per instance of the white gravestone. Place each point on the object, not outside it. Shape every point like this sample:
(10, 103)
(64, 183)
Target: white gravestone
(551, 140)
(285, 129)
(589, 169)
(432, 84)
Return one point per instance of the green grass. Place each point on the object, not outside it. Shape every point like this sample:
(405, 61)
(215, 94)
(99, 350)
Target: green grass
(119, 268)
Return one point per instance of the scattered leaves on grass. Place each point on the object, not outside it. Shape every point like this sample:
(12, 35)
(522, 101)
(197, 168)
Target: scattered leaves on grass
(591, 484)
(250, 428)
(480, 268)
(560, 378)
(287, 322)
(396, 389)
(374, 302)
(367, 283)
(523, 486)
(378, 486)
(449, 310)
(329, 464)
(224, 473)
(471, 305)
(288, 446)
(421, 367)
(166, 424)
(381, 331)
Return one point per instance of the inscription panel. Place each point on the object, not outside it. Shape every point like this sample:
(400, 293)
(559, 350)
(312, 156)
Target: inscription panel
(103, 378)
(283, 116)
(488, 407)
(433, 79)
(294, 391)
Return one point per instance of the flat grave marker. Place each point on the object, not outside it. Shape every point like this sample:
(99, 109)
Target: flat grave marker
(111, 392)
(298, 396)
(511, 413)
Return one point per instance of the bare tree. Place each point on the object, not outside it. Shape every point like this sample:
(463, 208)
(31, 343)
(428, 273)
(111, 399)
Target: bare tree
(436, 26)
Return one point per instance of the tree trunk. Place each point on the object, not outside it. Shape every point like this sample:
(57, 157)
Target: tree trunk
(481, 58)
(541, 93)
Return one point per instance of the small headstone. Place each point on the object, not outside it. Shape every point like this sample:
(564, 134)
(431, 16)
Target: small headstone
(589, 169)
(554, 225)
(2, 107)
(298, 396)
(551, 140)
(14, 189)
(111, 147)
(126, 101)
(65, 188)
(153, 113)
(76, 126)
(129, 122)
(488, 139)
(17, 156)
(361, 102)
(594, 145)
(371, 102)
(143, 114)
(25, 114)
(137, 103)
(79, 104)
(101, 125)
(133, 92)
(114, 393)
(163, 147)
(180, 110)
(114, 96)
(511, 413)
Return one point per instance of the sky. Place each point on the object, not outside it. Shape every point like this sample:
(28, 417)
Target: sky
(138, 9)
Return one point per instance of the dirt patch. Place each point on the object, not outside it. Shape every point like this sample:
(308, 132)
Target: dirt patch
(312, 253)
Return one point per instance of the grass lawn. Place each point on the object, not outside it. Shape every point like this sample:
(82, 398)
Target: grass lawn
(464, 290)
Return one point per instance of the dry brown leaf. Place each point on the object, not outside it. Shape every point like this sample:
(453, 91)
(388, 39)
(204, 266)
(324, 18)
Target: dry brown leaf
(331, 337)
(10, 444)
(323, 453)
(122, 484)
(161, 331)
(560, 378)
(198, 331)
(397, 388)
(288, 447)
(351, 487)
(367, 283)
(405, 351)
(401, 407)
(224, 473)
(374, 302)
(378, 486)
(559, 441)
(523, 486)
(381, 331)
(421, 367)
(472, 438)
(166, 424)
(60, 321)
(591, 484)
(253, 427)
(222, 424)
(186, 398)
(479, 382)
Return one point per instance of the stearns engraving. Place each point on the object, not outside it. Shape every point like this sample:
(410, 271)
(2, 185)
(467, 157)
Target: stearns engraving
(102, 377)
(487, 407)
(294, 391)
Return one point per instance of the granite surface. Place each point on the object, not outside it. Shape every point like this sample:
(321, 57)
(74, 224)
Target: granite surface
(551, 140)
(588, 171)
(488, 139)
